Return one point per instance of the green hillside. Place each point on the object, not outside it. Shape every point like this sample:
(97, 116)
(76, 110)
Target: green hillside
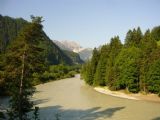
(74, 56)
(9, 29)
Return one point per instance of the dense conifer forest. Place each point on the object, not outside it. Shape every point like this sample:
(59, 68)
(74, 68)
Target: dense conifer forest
(134, 65)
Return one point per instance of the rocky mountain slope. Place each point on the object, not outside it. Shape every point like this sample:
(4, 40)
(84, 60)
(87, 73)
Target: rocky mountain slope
(84, 53)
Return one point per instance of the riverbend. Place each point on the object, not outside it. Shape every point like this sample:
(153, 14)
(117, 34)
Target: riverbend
(72, 99)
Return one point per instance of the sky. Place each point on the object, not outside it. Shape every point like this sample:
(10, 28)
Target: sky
(91, 23)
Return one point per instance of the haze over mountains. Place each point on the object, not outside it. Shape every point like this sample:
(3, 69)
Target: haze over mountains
(85, 53)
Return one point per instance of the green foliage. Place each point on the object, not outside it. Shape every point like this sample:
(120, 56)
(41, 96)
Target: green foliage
(56, 72)
(89, 76)
(12, 46)
(148, 47)
(9, 30)
(128, 69)
(22, 59)
(158, 43)
(99, 78)
(89, 69)
(134, 66)
(133, 37)
(115, 48)
(156, 33)
(74, 56)
(153, 77)
(53, 54)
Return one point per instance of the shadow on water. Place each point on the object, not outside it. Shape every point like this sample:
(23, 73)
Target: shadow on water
(49, 113)
(157, 118)
(39, 101)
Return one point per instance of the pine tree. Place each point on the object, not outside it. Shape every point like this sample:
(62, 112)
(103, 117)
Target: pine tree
(133, 38)
(115, 48)
(89, 68)
(156, 33)
(99, 78)
(153, 78)
(89, 75)
(94, 63)
(147, 45)
(128, 67)
(23, 58)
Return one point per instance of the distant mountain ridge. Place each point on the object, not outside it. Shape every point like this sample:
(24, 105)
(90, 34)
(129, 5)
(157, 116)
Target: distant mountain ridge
(61, 45)
(10, 27)
(69, 45)
(85, 53)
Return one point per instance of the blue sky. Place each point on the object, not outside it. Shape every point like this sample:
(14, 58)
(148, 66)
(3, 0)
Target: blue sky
(88, 22)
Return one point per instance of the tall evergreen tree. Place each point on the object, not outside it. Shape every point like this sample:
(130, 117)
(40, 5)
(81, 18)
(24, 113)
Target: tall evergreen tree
(94, 63)
(2, 81)
(133, 37)
(147, 45)
(156, 33)
(128, 67)
(153, 78)
(99, 78)
(23, 58)
(89, 68)
(115, 48)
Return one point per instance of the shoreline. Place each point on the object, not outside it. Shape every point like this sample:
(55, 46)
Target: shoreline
(130, 96)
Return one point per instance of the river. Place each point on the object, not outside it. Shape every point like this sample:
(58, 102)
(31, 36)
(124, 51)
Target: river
(72, 99)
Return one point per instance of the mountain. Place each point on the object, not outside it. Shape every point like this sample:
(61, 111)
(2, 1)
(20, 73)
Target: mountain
(69, 51)
(84, 53)
(61, 45)
(68, 45)
(9, 29)
(74, 56)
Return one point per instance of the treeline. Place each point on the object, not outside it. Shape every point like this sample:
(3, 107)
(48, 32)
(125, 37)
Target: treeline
(56, 72)
(134, 65)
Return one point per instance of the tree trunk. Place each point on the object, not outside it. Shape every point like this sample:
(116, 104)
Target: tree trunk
(21, 87)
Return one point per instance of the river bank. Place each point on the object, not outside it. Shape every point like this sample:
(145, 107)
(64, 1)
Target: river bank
(72, 99)
(123, 94)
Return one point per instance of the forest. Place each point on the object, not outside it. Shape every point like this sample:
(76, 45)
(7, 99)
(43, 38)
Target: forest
(133, 66)
(27, 58)
(55, 63)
